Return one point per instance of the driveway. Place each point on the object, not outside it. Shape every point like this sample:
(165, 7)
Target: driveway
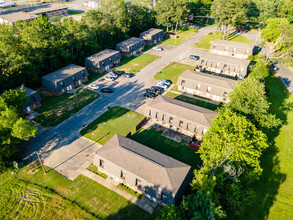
(62, 147)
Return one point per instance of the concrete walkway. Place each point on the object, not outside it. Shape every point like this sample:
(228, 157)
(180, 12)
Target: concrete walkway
(142, 203)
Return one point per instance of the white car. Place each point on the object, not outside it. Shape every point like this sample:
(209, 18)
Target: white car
(113, 75)
(162, 85)
(166, 82)
(158, 48)
(94, 86)
(109, 78)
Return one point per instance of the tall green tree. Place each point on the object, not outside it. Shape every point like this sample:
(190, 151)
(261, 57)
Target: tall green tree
(228, 13)
(13, 128)
(260, 70)
(249, 98)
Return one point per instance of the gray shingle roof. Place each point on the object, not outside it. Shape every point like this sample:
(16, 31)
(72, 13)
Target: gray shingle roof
(233, 44)
(184, 110)
(102, 55)
(209, 79)
(50, 8)
(148, 164)
(225, 60)
(63, 73)
(17, 16)
(151, 31)
(129, 42)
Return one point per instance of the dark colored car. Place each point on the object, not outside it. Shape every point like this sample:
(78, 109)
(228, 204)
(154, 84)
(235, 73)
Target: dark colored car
(193, 57)
(149, 95)
(118, 72)
(106, 90)
(153, 91)
(157, 89)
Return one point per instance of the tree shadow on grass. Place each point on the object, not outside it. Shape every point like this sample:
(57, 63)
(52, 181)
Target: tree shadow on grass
(267, 187)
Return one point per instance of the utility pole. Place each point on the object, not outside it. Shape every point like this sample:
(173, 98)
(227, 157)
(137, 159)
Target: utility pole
(76, 100)
(41, 163)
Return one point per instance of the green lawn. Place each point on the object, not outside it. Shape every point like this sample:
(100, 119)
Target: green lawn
(275, 188)
(56, 109)
(205, 42)
(24, 200)
(130, 191)
(95, 170)
(115, 120)
(135, 64)
(192, 101)
(179, 151)
(172, 72)
(75, 12)
(85, 193)
(182, 35)
(94, 76)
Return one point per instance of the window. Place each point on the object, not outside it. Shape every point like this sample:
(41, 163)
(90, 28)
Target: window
(195, 129)
(182, 82)
(163, 117)
(150, 113)
(116, 55)
(123, 174)
(241, 69)
(226, 48)
(180, 123)
(61, 83)
(246, 51)
(234, 49)
(157, 115)
(110, 59)
(204, 131)
(214, 46)
(163, 196)
(171, 120)
(198, 86)
(101, 163)
(218, 64)
(138, 183)
(225, 94)
(188, 126)
(209, 89)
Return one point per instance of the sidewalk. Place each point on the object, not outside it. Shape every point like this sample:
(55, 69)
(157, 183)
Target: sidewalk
(148, 206)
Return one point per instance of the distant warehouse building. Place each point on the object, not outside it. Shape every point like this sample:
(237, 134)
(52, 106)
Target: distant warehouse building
(55, 10)
(12, 18)
(152, 36)
(208, 86)
(130, 46)
(222, 65)
(65, 79)
(103, 60)
(231, 48)
(156, 175)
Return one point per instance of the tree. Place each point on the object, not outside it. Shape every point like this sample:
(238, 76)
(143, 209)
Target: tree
(260, 70)
(201, 206)
(286, 10)
(233, 144)
(273, 29)
(15, 98)
(229, 12)
(13, 127)
(249, 99)
(170, 212)
(267, 9)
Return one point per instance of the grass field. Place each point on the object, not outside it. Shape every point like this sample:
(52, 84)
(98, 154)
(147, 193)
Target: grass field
(130, 191)
(115, 120)
(275, 188)
(95, 170)
(172, 72)
(56, 109)
(192, 101)
(135, 64)
(179, 151)
(24, 200)
(85, 193)
(182, 35)
(205, 42)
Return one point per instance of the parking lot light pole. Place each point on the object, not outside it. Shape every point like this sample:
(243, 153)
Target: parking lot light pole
(41, 163)
(76, 100)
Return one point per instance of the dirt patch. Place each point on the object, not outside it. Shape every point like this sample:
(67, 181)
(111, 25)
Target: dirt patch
(135, 64)
(69, 106)
(132, 115)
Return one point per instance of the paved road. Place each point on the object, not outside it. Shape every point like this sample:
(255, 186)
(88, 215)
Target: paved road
(64, 150)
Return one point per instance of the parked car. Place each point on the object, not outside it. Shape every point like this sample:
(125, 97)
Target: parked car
(118, 72)
(149, 95)
(166, 82)
(163, 85)
(193, 57)
(157, 89)
(274, 67)
(113, 75)
(94, 86)
(127, 75)
(158, 48)
(156, 93)
(109, 78)
(101, 79)
(106, 90)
